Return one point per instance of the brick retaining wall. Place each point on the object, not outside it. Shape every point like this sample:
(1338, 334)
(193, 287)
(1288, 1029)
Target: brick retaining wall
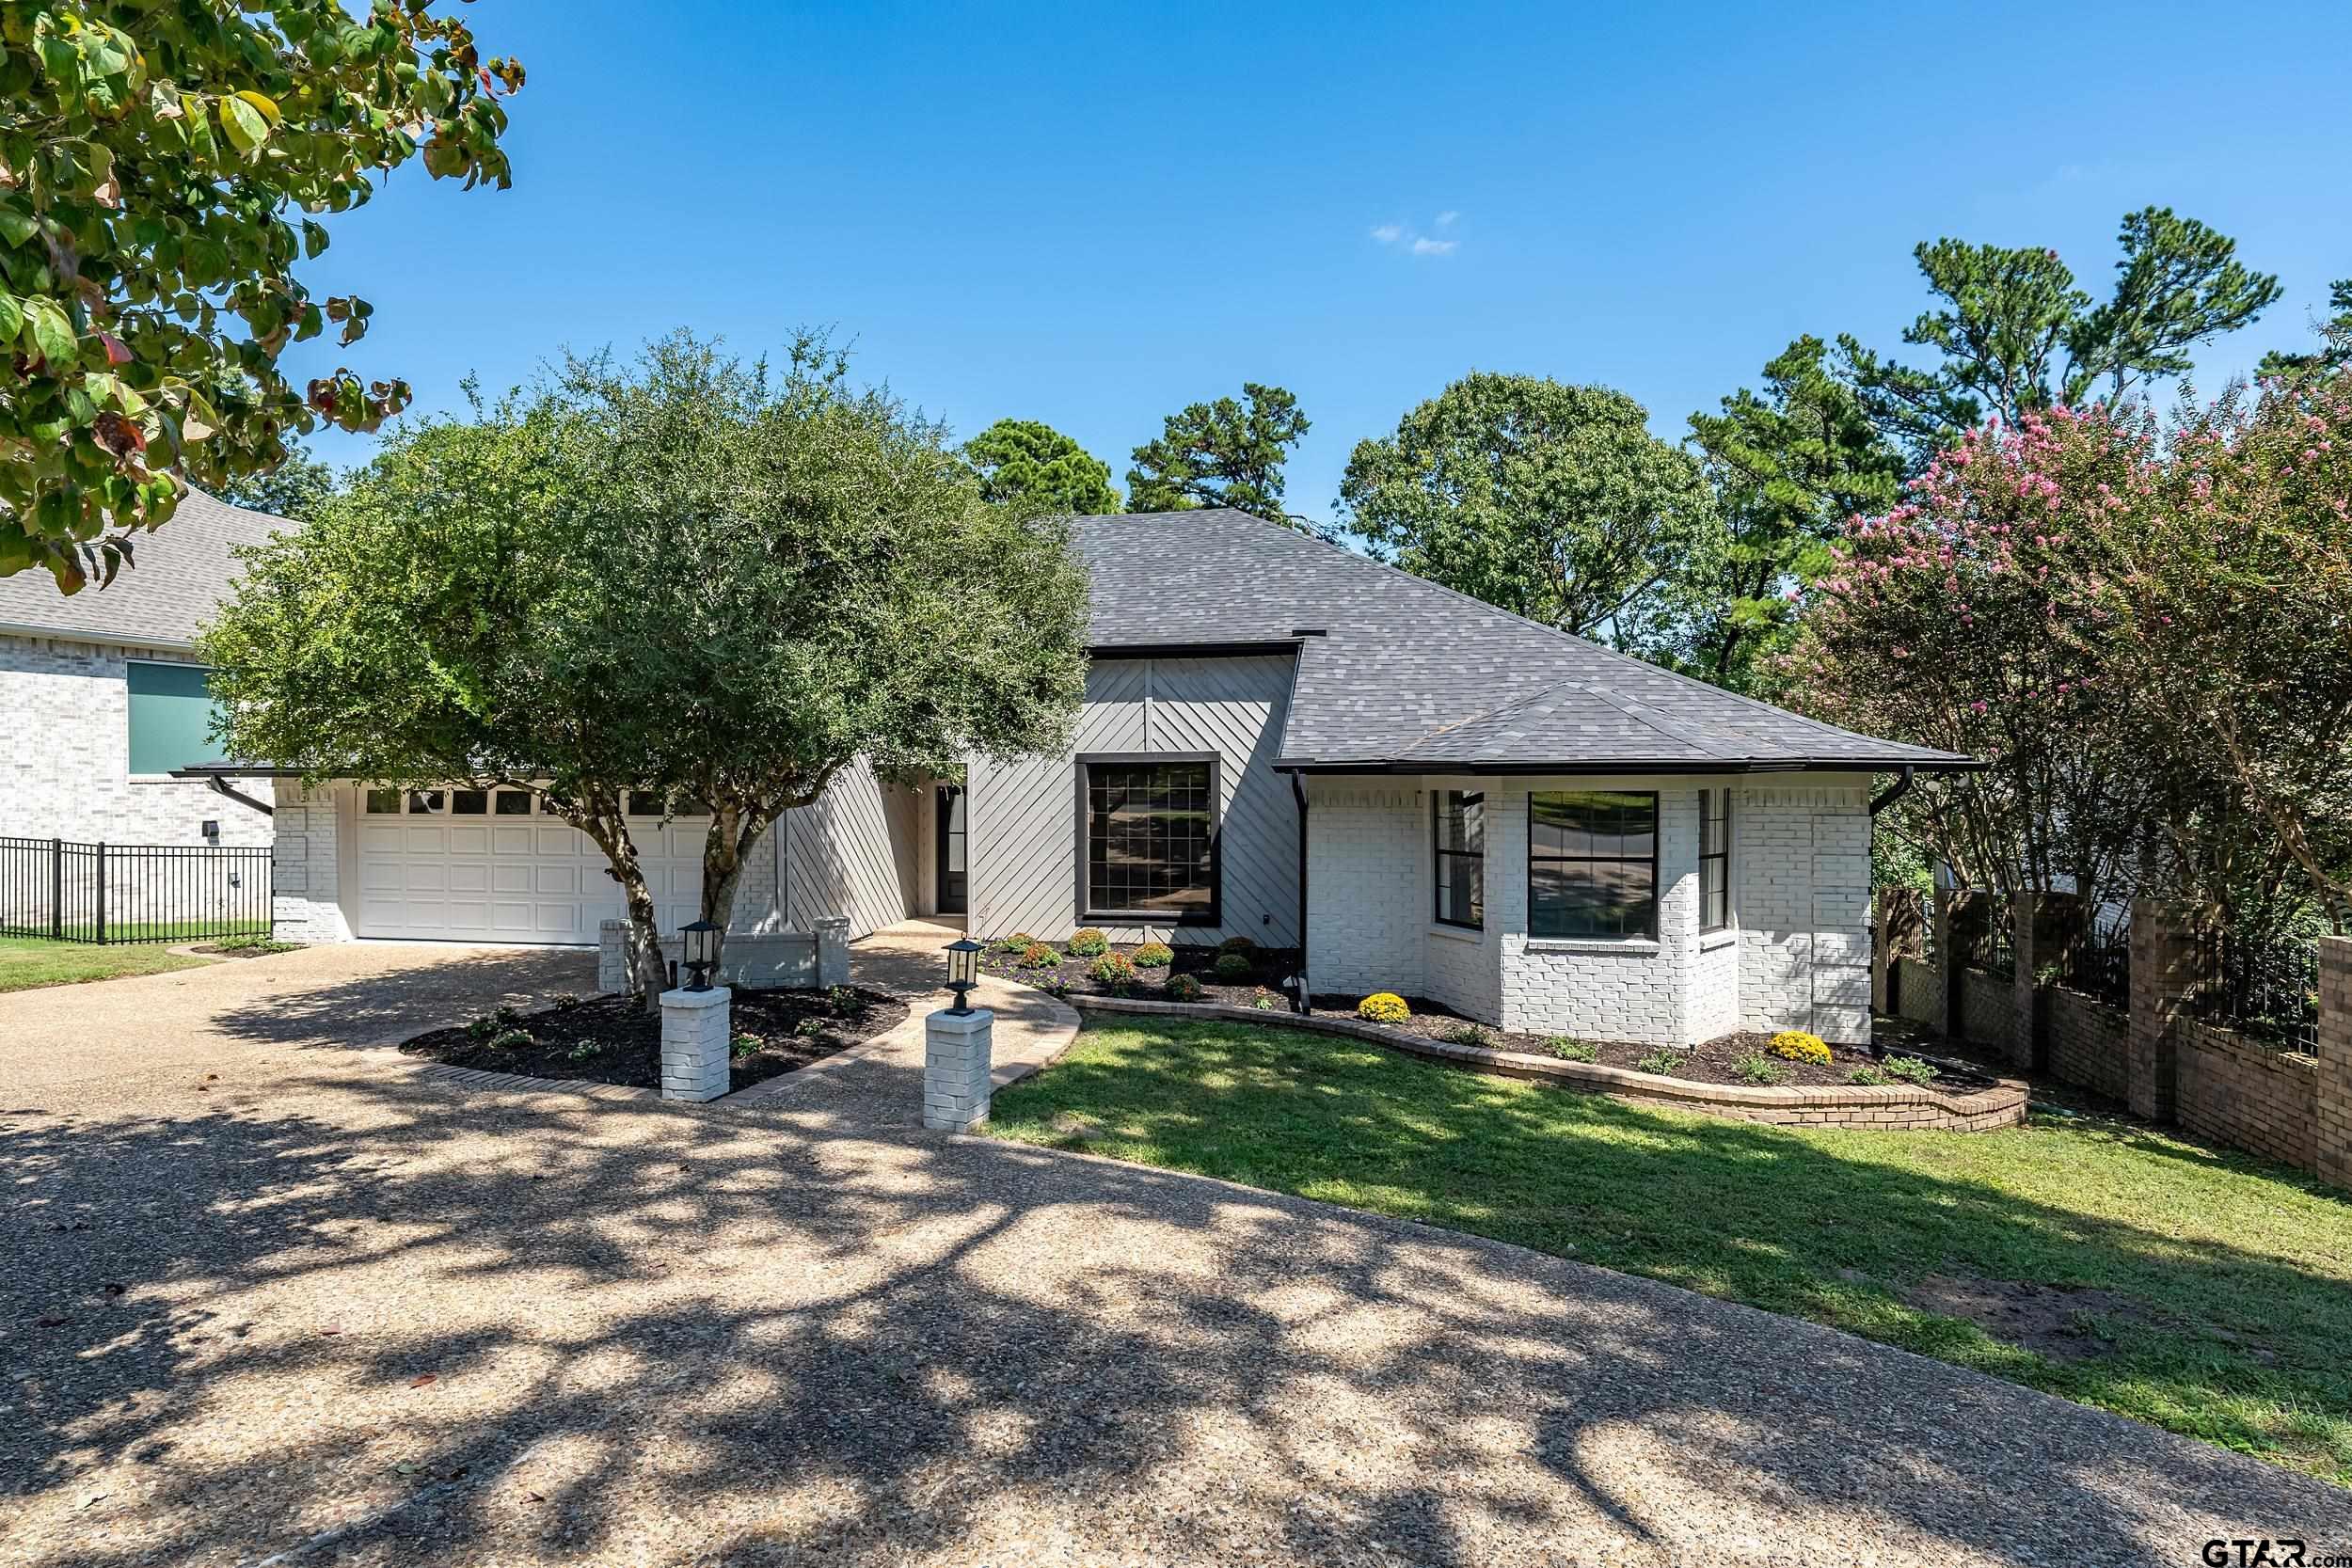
(2239, 1093)
(2091, 1043)
(1891, 1109)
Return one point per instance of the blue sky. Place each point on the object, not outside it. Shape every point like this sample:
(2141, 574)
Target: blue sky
(1092, 215)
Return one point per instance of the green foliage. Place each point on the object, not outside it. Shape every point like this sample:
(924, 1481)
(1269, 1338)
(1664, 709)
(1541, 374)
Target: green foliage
(1788, 466)
(1267, 1002)
(2016, 336)
(1569, 1050)
(809, 1028)
(744, 1045)
(1665, 1062)
(1238, 944)
(1466, 1033)
(684, 574)
(1114, 971)
(2335, 350)
(1868, 1077)
(1184, 988)
(1798, 1045)
(844, 1001)
(1035, 469)
(297, 488)
(1153, 955)
(1020, 942)
(1039, 955)
(152, 158)
(1088, 942)
(1909, 1070)
(1221, 454)
(1232, 968)
(1553, 502)
(1759, 1069)
(1383, 1006)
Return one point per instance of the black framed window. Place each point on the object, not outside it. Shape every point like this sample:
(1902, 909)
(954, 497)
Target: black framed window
(1714, 859)
(1150, 839)
(1459, 831)
(1592, 864)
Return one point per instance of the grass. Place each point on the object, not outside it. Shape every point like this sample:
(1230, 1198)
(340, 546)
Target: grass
(2237, 1274)
(29, 961)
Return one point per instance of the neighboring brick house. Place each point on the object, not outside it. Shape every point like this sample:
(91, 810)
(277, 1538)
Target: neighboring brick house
(1278, 736)
(102, 698)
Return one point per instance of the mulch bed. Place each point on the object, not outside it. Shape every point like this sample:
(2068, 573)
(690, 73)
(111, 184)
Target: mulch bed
(612, 1039)
(1069, 977)
(248, 950)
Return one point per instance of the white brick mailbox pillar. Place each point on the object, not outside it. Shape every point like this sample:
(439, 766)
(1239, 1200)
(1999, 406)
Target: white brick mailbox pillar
(956, 1050)
(696, 1028)
(833, 949)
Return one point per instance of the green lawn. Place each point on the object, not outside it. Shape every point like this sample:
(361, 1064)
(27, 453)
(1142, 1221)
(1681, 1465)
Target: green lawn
(2227, 1281)
(28, 962)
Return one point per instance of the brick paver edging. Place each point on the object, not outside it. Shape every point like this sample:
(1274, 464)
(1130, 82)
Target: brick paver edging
(1893, 1108)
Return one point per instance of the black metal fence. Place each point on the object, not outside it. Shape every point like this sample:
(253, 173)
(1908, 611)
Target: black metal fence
(2266, 989)
(2099, 960)
(131, 892)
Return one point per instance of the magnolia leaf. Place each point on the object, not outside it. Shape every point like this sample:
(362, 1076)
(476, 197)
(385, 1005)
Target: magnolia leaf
(49, 333)
(262, 102)
(242, 124)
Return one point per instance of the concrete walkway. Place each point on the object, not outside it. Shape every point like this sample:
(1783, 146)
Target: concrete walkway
(267, 1300)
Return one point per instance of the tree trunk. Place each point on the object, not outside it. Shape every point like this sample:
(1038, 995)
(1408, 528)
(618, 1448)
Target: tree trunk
(600, 817)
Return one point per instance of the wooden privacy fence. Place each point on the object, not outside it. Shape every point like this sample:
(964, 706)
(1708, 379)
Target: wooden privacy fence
(109, 894)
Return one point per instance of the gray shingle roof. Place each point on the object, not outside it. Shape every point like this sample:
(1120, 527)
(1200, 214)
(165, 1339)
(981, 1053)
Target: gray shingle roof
(1411, 675)
(183, 572)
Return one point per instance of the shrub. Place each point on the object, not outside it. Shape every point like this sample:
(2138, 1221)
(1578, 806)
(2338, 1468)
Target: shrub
(1466, 1033)
(1383, 1006)
(744, 1045)
(1909, 1070)
(1234, 967)
(1039, 955)
(1113, 970)
(1089, 943)
(809, 1028)
(1238, 944)
(1662, 1062)
(508, 1040)
(1184, 988)
(1868, 1077)
(565, 1000)
(1267, 1001)
(843, 1000)
(1569, 1050)
(1795, 1045)
(1020, 942)
(1054, 985)
(1757, 1068)
(1152, 955)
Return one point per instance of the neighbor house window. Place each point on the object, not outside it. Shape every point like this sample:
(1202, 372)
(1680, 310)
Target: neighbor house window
(1461, 869)
(1592, 864)
(1149, 830)
(1714, 859)
(171, 716)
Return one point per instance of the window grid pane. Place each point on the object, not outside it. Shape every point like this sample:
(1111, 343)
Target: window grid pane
(1714, 859)
(1150, 838)
(1459, 834)
(1592, 864)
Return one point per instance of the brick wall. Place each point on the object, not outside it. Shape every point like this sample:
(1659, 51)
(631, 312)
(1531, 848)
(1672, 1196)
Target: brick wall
(2331, 1131)
(306, 863)
(1367, 917)
(2091, 1043)
(1919, 987)
(2237, 1093)
(1801, 875)
(65, 755)
(1986, 1010)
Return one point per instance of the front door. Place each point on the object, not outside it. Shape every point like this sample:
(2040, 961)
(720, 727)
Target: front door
(950, 813)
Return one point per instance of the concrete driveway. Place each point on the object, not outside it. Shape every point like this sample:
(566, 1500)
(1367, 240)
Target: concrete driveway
(317, 1309)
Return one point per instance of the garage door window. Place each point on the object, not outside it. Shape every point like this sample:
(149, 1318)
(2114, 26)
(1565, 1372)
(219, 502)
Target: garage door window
(514, 802)
(383, 802)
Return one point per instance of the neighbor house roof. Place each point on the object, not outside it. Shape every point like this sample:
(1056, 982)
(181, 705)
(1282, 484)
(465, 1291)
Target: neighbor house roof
(181, 573)
(1398, 673)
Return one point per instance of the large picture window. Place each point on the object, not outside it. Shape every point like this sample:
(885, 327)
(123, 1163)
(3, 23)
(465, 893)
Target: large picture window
(171, 716)
(1460, 835)
(1714, 859)
(1150, 839)
(1592, 864)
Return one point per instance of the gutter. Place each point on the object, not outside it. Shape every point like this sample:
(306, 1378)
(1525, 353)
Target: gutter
(97, 639)
(1894, 792)
(1593, 768)
(221, 786)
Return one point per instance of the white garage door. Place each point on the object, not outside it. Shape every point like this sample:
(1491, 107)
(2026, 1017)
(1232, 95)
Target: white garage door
(476, 865)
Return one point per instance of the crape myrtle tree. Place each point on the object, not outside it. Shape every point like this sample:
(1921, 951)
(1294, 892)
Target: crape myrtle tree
(1975, 617)
(1553, 502)
(162, 171)
(682, 575)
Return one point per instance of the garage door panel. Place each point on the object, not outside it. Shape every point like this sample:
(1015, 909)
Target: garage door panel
(469, 841)
(424, 876)
(469, 877)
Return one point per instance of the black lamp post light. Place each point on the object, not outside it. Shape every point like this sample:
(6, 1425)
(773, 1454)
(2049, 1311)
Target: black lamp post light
(699, 953)
(963, 963)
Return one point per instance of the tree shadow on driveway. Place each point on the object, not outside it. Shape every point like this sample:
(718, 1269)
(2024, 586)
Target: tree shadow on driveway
(428, 989)
(535, 1327)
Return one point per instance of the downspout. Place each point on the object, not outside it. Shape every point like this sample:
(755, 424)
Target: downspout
(222, 786)
(1895, 791)
(1298, 998)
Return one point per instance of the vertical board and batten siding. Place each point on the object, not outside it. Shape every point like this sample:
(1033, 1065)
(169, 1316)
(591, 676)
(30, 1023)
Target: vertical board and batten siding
(1024, 816)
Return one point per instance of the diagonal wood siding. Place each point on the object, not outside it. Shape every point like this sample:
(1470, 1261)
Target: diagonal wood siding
(1023, 817)
(855, 851)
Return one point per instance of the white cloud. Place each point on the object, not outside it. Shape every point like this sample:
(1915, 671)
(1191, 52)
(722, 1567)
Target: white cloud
(1389, 233)
(1434, 247)
(1445, 219)
(1413, 241)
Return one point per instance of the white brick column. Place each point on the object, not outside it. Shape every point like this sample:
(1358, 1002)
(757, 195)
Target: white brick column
(696, 1027)
(833, 950)
(956, 1049)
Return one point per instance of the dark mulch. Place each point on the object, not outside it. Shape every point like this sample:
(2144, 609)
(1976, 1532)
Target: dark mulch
(244, 949)
(612, 1039)
(1269, 965)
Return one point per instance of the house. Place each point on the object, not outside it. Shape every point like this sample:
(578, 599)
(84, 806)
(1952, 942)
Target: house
(102, 698)
(1280, 736)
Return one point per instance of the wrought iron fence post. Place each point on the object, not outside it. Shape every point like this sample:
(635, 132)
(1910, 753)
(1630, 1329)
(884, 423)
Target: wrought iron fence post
(56, 890)
(102, 893)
